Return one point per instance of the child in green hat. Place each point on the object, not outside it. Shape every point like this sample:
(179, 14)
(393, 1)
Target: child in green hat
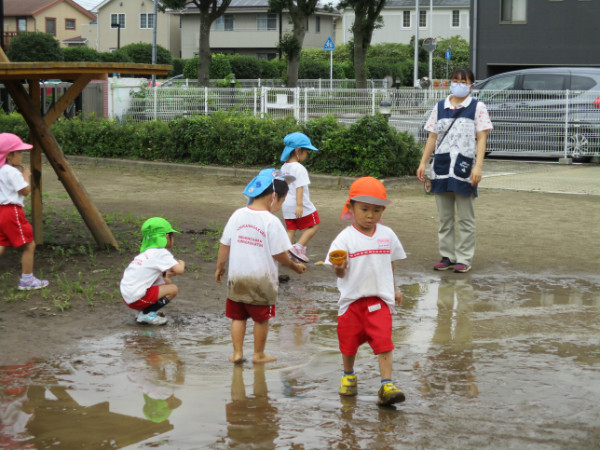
(146, 285)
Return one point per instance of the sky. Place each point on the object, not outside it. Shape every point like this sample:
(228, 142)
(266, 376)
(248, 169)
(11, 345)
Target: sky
(88, 4)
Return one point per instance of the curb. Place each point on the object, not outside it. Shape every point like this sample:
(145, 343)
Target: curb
(243, 174)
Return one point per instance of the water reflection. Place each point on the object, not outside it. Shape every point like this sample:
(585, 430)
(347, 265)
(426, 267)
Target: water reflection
(154, 368)
(252, 421)
(450, 367)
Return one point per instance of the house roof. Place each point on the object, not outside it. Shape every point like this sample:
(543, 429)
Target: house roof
(88, 4)
(30, 8)
(76, 39)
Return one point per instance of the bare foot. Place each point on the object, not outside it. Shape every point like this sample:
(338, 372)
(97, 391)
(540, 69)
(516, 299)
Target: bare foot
(263, 359)
(237, 359)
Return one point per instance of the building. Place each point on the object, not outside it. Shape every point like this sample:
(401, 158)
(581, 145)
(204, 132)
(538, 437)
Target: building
(450, 18)
(517, 34)
(63, 19)
(123, 22)
(248, 28)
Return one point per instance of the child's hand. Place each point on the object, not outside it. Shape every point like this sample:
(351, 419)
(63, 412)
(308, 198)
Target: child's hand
(399, 296)
(218, 274)
(299, 268)
(299, 211)
(26, 173)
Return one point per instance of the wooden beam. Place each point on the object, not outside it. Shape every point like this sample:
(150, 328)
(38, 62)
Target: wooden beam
(35, 162)
(90, 214)
(3, 57)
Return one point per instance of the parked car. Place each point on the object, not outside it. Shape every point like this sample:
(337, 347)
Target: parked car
(537, 112)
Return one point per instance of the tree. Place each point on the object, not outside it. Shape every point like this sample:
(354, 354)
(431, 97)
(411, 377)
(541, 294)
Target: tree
(36, 46)
(291, 44)
(210, 10)
(366, 19)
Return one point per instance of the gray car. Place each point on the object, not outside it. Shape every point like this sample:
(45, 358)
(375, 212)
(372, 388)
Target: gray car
(541, 112)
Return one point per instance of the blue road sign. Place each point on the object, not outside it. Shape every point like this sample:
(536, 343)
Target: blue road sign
(448, 54)
(329, 45)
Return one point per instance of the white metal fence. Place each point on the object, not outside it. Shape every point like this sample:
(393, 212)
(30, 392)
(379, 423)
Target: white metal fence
(531, 123)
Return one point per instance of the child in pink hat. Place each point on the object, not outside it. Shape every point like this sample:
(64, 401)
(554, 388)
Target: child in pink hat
(15, 230)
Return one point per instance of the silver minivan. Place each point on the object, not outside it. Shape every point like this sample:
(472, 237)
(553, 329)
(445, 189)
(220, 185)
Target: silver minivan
(544, 112)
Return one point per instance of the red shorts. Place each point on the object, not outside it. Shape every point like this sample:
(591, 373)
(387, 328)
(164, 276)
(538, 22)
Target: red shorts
(303, 222)
(368, 319)
(15, 230)
(148, 299)
(242, 311)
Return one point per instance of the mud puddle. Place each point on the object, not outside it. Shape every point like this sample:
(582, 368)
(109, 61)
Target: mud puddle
(501, 363)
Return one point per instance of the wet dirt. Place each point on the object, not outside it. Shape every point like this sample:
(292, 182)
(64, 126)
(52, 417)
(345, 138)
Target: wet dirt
(506, 356)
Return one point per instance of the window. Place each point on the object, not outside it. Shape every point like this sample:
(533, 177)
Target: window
(51, 26)
(543, 82)
(513, 11)
(224, 23)
(146, 20)
(267, 56)
(455, 18)
(405, 19)
(266, 22)
(317, 24)
(423, 19)
(580, 83)
(69, 24)
(21, 24)
(117, 20)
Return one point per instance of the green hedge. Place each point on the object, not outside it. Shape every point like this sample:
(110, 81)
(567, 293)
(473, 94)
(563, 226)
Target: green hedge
(367, 147)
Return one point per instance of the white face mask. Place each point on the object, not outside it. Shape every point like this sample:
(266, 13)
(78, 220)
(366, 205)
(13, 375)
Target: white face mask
(460, 89)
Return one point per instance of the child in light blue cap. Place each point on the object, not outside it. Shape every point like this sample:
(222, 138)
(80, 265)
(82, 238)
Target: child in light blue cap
(298, 211)
(254, 241)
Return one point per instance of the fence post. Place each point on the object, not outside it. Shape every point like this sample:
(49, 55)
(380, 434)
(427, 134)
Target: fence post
(566, 144)
(372, 101)
(206, 100)
(305, 105)
(255, 100)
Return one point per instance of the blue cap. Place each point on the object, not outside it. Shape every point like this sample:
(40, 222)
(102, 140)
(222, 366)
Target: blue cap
(264, 179)
(293, 141)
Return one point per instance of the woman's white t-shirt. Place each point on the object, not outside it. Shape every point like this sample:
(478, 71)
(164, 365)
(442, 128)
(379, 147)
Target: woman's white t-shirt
(288, 209)
(369, 271)
(144, 271)
(254, 236)
(11, 182)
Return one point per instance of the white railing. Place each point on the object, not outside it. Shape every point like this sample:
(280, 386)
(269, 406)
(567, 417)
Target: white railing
(544, 123)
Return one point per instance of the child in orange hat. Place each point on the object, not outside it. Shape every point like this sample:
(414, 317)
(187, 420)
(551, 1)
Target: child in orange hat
(365, 280)
(15, 229)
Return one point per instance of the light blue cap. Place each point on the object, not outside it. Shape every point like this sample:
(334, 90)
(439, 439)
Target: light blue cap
(263, 180)
(293, 141)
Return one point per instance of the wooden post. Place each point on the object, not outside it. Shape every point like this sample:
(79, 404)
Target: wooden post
(75, 189)
(35, 162)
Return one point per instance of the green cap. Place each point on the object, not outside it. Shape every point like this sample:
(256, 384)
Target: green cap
(154, 231)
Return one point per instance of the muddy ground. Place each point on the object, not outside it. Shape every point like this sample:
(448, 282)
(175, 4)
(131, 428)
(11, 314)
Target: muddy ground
(520, 234)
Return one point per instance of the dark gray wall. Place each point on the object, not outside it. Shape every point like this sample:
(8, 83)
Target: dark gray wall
(557, 33)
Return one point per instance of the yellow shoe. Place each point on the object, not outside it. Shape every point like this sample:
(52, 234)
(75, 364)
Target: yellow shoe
(348, 385)
(389, 394)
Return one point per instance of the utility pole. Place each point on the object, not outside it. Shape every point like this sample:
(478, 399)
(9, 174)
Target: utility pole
(154, 42)
(416, 63)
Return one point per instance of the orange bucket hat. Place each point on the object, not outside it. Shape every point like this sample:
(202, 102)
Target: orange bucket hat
(367, 190)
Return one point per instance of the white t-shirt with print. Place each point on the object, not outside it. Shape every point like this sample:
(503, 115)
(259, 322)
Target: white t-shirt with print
(11, 182)
(369, 271)
(254, 236)
(302, 180)
(144, 271)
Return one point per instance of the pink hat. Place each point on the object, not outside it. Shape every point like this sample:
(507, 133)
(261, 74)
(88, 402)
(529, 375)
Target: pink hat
(11, 143)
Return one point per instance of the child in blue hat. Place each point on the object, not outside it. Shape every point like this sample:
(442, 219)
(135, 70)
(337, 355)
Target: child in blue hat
(298, 211)
(254, 241)
(146, 285)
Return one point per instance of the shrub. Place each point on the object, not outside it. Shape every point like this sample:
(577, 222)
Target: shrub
(116, 56)
(36, 46)
(245, 67)
(178, 65)
(272, 69)
(190, 69)
(220, 66)
(76, 54)
(142, 53)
